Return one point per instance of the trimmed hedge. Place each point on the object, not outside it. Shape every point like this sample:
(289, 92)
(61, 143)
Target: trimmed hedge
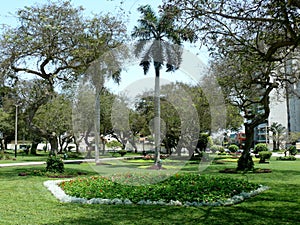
(233, 148)
(218, 148)
(264, 155)
(286, 158)
(55, 165)
(260, 148)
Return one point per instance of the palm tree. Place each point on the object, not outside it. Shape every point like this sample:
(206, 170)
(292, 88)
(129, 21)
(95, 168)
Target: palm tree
(109, 66)
(277, 130)
(152, 47)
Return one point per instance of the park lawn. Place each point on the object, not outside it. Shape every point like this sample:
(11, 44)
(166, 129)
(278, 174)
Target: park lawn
(24, 200)
(42, 156)
(22, 157)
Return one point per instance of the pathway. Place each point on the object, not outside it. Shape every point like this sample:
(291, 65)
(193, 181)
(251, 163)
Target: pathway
(67, 161)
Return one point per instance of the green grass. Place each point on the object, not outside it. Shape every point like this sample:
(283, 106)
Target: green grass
(42, 156)
(22, 157)
(24, 200)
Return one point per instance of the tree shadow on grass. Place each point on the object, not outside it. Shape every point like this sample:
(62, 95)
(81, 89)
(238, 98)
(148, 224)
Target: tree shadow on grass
(153, 215)
(250, 212)
(15, 173)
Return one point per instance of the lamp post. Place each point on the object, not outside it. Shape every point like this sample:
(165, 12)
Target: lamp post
(16, 131)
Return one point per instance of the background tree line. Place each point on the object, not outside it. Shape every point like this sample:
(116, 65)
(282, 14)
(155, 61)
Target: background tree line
(251, 43)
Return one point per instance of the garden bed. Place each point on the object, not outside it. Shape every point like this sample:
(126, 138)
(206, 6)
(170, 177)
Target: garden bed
(179, 189)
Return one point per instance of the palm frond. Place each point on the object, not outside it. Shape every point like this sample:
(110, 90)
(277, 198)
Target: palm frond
(147, 24)
(141, 33)
(148, 13)
(156, 28)
(146, 66)
(139, 48)
(174, 56)
(116, 76)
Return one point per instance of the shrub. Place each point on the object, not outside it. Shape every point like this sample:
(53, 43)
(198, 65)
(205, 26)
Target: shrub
(75, 155)
(55, 165)
(222, 153)
(1, 155)
(216, 148)
(290, 158)
(233, 148)
(292, 150)
(203, 141)
(260, 148)
(113, 145)
(264, 155)
(122, 152)
(4, 156)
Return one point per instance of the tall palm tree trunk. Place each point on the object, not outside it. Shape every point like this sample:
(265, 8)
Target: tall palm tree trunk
(157, 116)
(97, 125)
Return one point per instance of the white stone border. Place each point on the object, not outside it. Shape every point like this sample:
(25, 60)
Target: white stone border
(52, 186)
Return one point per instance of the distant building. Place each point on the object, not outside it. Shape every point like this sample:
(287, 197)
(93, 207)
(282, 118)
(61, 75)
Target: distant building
(261, 133)
(293, 98)
(284, 109)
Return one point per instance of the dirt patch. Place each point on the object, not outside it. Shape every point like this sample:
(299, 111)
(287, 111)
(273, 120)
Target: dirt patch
(61, 176)
(103, 164)
(22, 174)
(156, 167)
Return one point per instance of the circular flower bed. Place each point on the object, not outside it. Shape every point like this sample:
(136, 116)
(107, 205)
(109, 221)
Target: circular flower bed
(179, 189)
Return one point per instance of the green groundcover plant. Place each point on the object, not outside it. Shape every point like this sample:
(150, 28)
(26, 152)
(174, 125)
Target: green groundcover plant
(182, 187)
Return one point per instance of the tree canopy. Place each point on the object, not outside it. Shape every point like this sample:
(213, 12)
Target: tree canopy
(253, 40)
(55, 42)
(267, 29)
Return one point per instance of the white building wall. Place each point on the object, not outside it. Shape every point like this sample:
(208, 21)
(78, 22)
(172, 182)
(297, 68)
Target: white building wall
(278, 108)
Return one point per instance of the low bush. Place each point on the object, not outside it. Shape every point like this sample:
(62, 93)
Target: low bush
(288, 158)
(233, 148)
(55, 165)
(264, 155)
(260, 148)
(122, 152)
(199, 188)
(222, 153)
(114, 145)
(292, 150)
(4, 156)
(75, 155)
(217, 148)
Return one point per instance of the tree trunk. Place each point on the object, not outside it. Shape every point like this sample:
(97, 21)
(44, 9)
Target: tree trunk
(274, 142)
(97, 124)
(245, 162)
(89, 152)
(34, 146)
(53, 143)
(278, 144)
(88, 147)
(60, 144)
(77, 142)
(76, 146)
(2, 145)
(132, 142)
(157, 116)
(168, 149)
